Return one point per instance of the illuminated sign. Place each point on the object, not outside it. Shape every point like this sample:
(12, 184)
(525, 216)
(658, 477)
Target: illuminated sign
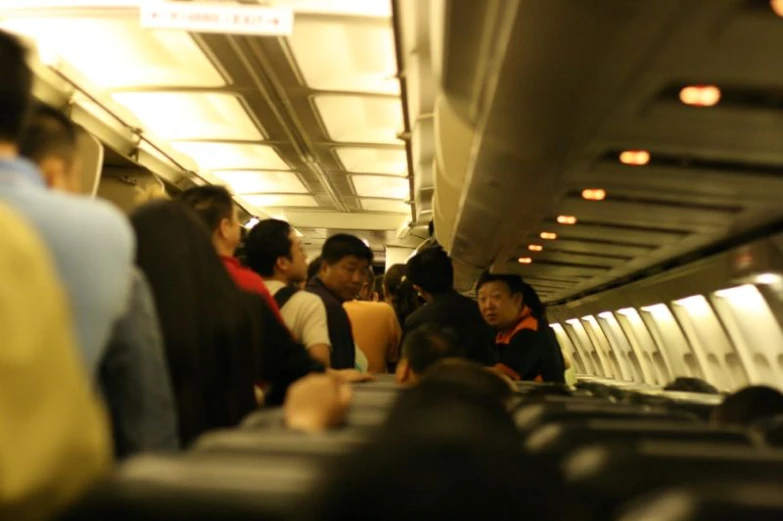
(215, 18)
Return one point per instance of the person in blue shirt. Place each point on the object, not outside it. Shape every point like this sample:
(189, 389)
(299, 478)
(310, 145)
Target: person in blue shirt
(91, 241)
(132, 373)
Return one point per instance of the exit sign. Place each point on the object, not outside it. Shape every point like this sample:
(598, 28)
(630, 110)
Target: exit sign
(216, 18)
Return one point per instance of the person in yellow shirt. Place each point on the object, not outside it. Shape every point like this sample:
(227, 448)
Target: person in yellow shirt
(54, 434)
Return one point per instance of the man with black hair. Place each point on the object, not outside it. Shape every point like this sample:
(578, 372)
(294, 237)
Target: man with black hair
(90, 240)
(432, 275)
(215, 206)
(345, 260)
(275, 252)
(526, 351)
(422, 349)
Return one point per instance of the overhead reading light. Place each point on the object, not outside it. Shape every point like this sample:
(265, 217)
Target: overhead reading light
(594, 194)
(535, 247)
(777, 6)
(566, 219)
(635, 157)
(525, 260)
(700, 95)
(548, 236)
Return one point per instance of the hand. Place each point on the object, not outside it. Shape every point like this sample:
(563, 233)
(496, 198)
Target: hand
(316, 402)
(351, 375)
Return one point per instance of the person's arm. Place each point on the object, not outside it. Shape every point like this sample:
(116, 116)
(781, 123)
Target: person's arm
(316, 403)
(315, 328)
(282, 360)
(135, 380)
(522, 358)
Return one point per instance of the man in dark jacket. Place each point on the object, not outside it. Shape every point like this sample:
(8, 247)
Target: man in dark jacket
(432, 274)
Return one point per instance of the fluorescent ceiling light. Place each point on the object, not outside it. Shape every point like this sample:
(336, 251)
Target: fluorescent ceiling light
(252, 222)
(361, 119)
(366, 8)
(346, 57)
(384, 205)
(253, 182)
(265, 201)
(115, 52)
(220, 156)
(177, 115)
(373, 160)
(381, 186)
(72, 4)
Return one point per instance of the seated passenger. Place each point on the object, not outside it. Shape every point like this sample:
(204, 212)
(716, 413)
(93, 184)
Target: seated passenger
(748, 406)
(217, 209)
(399, 293)
(54, 439)
(275, 252)
(132, 370)
(375, 328)
(90, 240)
(422, 349)
(444, 453)
(691, 385)
(219, 340)
(477, 378)
(525, 350)
(432, 275)
(345, 259)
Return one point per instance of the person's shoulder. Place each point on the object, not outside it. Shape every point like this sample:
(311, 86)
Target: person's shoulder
(530, 338)
(306, 300)
(95, 219)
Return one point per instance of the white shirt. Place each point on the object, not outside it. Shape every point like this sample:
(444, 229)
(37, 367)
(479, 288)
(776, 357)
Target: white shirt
(304, 314)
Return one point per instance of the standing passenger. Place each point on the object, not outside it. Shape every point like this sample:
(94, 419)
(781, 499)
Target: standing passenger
(217, 209)
(91, 242)
(525, 349)
(399, 293)
(375, 328)
(275, 252)
(432, 274)
(132, 370)
(345, 260)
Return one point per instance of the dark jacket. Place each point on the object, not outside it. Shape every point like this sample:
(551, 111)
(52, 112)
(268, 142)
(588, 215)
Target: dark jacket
(340, 335)
(462, 316)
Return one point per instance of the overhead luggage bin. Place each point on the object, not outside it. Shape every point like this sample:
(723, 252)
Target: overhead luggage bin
(728, 501)
(201, 487)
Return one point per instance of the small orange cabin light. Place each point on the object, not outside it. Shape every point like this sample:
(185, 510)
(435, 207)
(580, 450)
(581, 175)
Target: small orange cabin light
(700, 95)
(635, 157)
(594, 194)
(566, 219)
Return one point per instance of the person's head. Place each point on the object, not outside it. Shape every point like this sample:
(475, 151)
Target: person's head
(399, 292)
(691, 385)
(15, 92)
(431, 272)
(368, 286)
(50, 141)
(208, 329)
(748, 406)
(422, 348)
(274, 250)
(216, 208)
(345, 260)
(314, 268)
(533, 301)
(500, 299)
(474, 376)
